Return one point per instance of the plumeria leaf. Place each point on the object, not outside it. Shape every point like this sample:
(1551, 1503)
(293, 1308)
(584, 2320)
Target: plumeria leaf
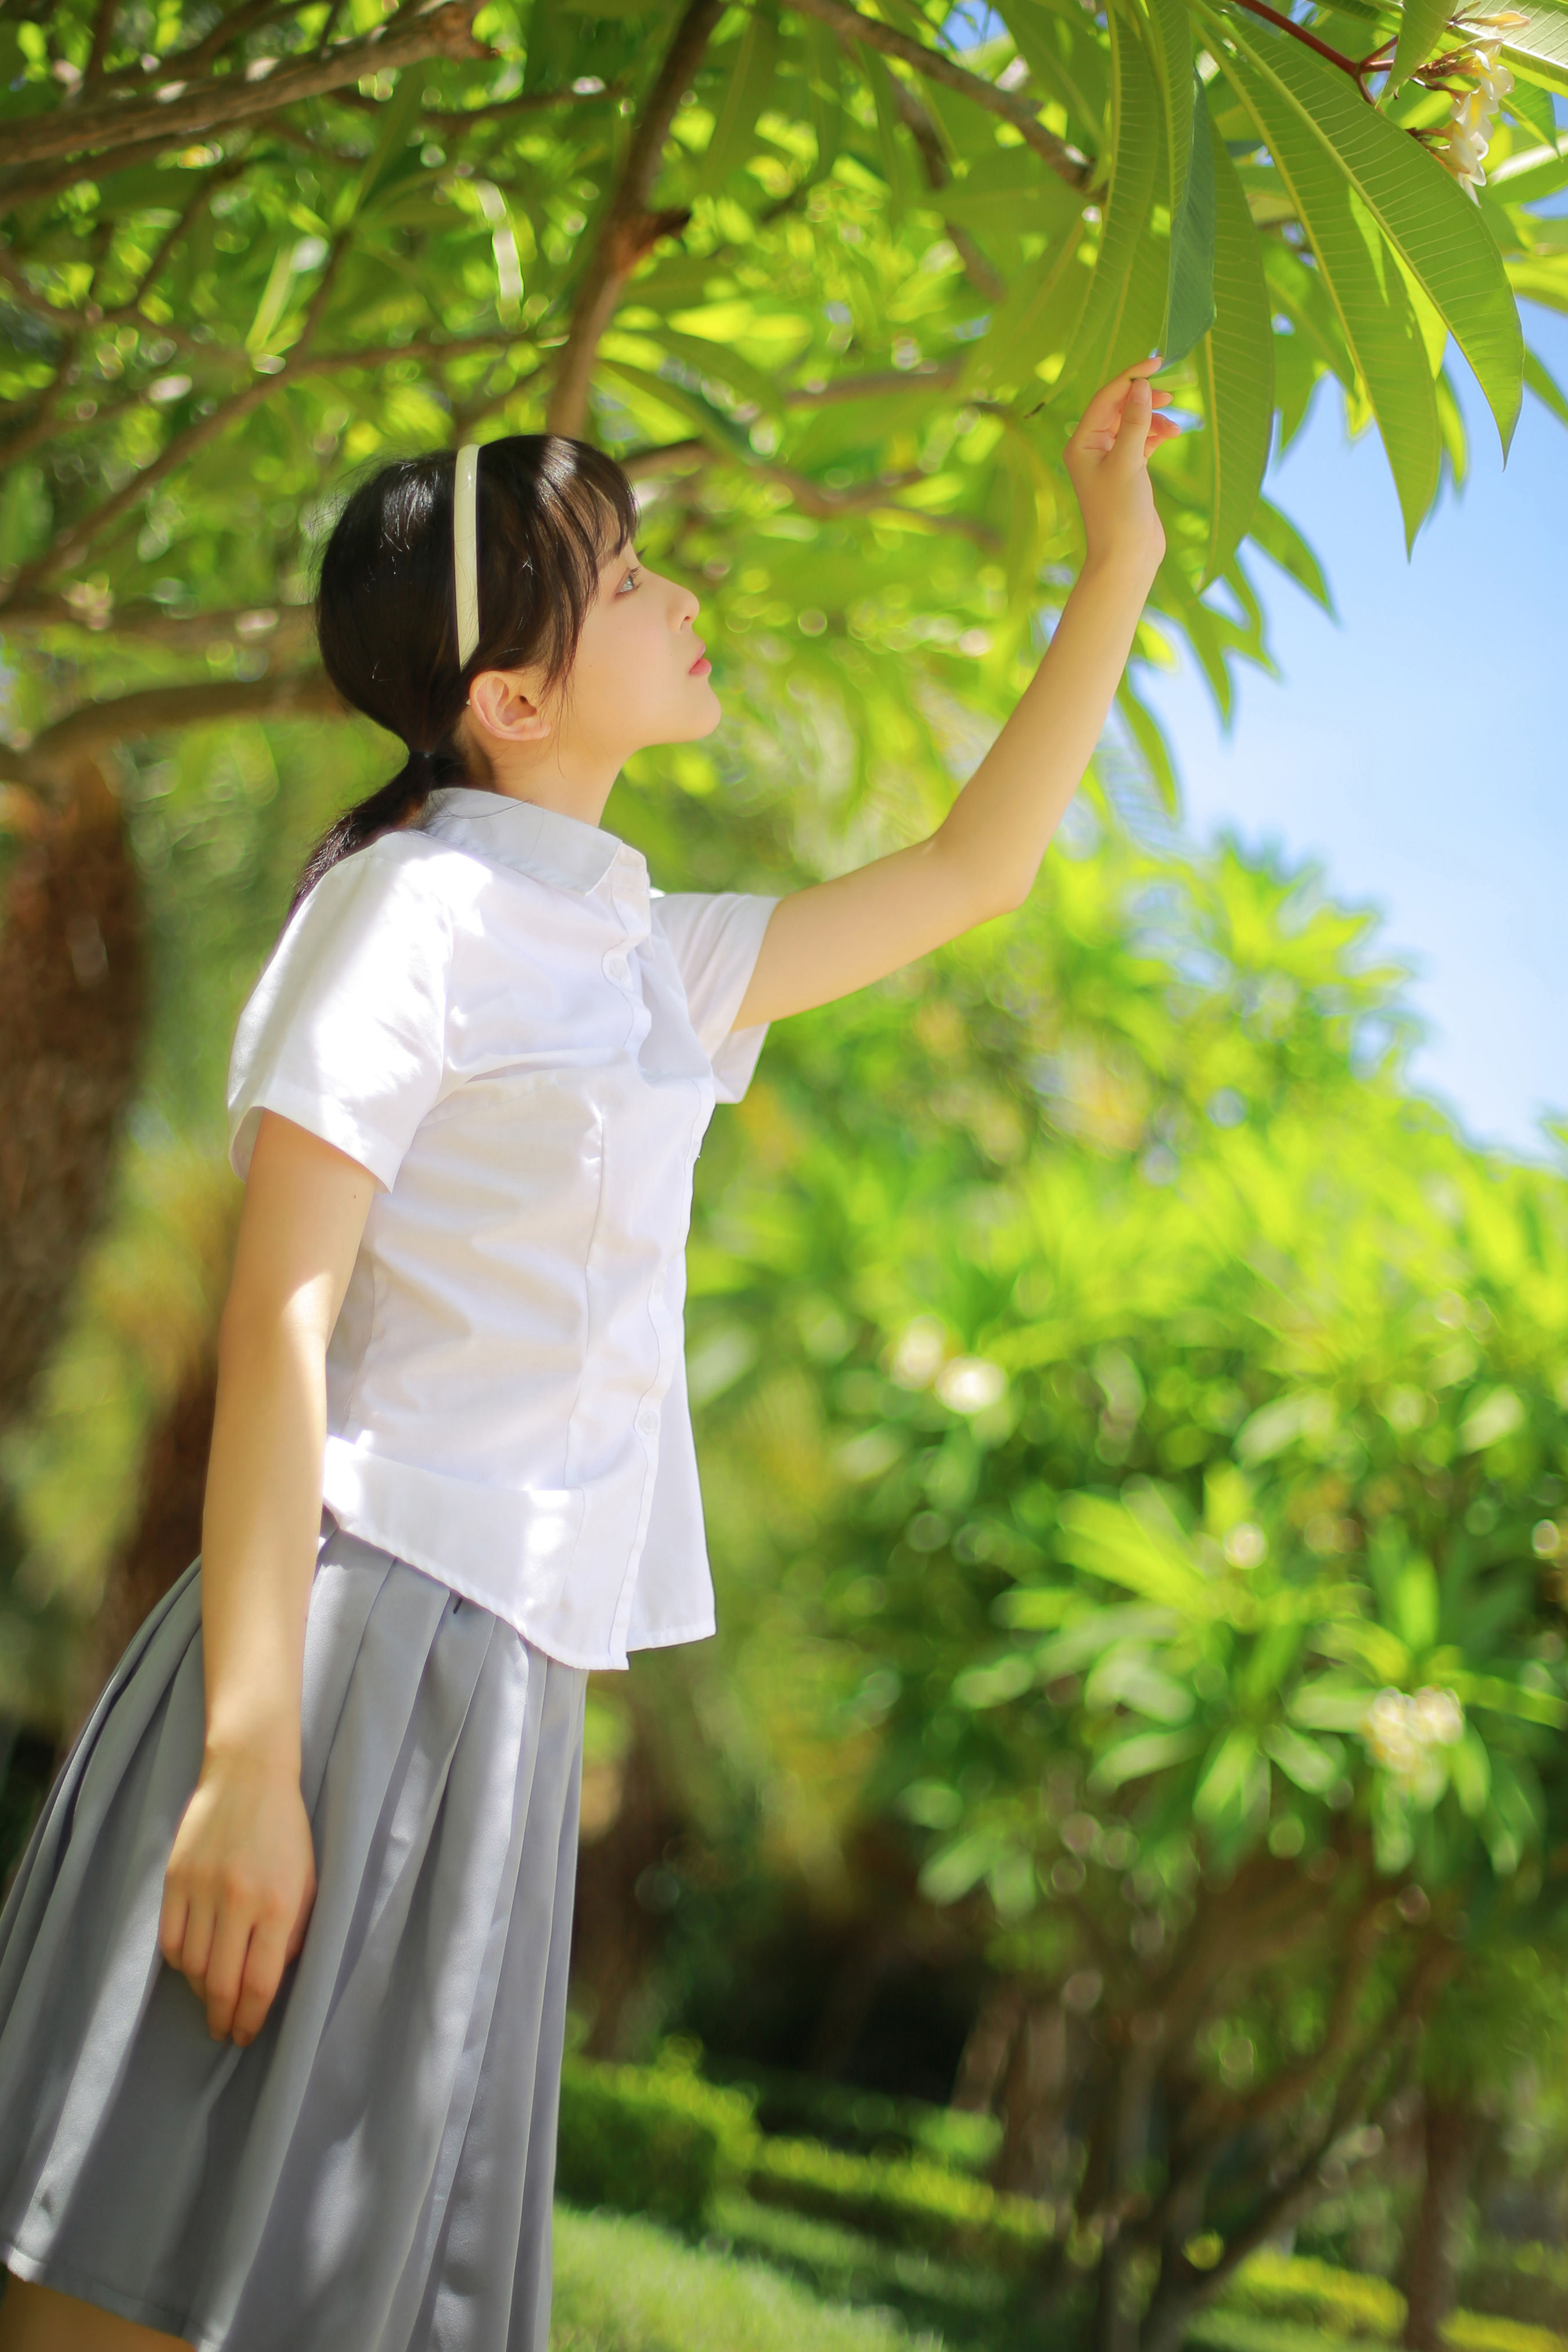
(1234, 368)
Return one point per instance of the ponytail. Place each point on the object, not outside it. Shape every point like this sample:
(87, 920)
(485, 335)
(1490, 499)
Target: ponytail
(399, 802)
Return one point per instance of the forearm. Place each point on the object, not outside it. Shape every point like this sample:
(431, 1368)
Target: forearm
(1000, 825)
(260, 1529)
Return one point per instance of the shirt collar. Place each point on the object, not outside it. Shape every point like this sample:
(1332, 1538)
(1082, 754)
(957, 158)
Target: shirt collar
(540, 841)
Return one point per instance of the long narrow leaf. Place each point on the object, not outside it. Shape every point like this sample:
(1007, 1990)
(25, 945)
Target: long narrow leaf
(1415, 205)
(1125, 306)
(1189, 311)
(1362, 278)
(1545, 386)
(1421, 23)
(1188, 179)
(1235, 367)
(747, 93)
(1541, 47)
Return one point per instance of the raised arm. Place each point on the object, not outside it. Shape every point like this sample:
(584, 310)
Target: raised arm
(982, 859)
(241, 1877)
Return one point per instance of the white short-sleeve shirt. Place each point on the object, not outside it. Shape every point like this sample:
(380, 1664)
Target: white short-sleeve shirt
(523, 1042)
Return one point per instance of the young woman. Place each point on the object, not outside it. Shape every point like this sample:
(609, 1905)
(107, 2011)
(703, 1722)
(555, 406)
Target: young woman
(283, 1973)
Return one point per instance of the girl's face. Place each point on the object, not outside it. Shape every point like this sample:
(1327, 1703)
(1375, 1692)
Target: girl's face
(641, 676)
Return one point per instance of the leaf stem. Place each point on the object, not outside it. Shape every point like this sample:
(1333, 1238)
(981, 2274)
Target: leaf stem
(1356, 68)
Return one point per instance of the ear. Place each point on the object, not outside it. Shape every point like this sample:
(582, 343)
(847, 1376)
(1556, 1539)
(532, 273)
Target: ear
(505, 704)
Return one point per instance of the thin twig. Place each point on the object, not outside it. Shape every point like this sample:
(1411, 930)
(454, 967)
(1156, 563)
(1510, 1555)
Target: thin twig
(77, 538)
(1308, 40)
(102, 34)
(230, 97)
(629, 229)
(851, 25)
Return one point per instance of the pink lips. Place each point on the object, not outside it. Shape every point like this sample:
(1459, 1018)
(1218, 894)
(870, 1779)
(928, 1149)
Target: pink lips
(701, 666)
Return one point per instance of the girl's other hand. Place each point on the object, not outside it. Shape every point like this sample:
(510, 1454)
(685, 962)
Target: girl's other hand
(238, 1889)
(1107, 460)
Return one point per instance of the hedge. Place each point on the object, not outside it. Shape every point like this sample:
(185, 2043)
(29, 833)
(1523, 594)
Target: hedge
(901, 2197)
(649, 2140)
(867, 2123)
(660, 2140)
(1291, 2288)
(1519, 2282)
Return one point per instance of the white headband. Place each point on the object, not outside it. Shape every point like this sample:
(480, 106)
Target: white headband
(465, 549)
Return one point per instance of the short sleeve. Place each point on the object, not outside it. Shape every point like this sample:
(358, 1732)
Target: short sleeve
(715, 938)
(345, 1031)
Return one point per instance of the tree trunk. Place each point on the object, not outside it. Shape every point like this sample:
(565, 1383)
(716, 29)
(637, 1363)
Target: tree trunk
(167, 1534)
(1450, 2133)
(622, 1908)
(71, 984)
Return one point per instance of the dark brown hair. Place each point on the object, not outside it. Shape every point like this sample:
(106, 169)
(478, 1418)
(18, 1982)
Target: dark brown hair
(548, 511)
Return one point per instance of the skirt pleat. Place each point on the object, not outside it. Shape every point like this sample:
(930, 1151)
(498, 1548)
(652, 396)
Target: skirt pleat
(376, 2169)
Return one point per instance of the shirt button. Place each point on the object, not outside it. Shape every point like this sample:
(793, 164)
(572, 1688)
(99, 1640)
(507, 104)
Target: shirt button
(616, 966)
(648, 1420)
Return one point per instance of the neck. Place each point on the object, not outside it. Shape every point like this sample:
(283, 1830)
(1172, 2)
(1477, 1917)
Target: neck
(575, 786)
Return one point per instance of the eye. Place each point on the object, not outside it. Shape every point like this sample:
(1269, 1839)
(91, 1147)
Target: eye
(633, 574)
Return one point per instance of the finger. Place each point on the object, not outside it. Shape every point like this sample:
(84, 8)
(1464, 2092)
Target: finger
(1104, 412)
(264, 1966)
(1136, 417)
(301, 1921)
(225, 1970)
(196, 1949)
(171, 1920)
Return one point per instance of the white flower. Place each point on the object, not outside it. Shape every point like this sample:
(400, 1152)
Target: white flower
(968, 1384)
(917, 1358)
(1437, 1717)
(1471, 119)
(1403, 1733)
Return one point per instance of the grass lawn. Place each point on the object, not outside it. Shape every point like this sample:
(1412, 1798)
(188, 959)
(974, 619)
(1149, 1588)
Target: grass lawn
(625, 2285)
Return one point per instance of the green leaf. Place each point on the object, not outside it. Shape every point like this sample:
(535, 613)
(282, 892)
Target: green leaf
(1230, 1783)
(1148, 736)
(1126, 304)
(1310, 1766)
(1412, 203)
(1188, 179)
(1541, 49)
(1190, 302)
(951, 1873)
(1234, 368)
(1544, 386)
(1362, 278)
(824, 93)
(713, 425)
(1282, 543)
(1421, 23)
(1470, 1771)
(1145, 1752)
(747, 93)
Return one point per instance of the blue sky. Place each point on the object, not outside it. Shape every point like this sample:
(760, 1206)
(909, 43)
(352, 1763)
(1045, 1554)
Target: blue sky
(1415, 746)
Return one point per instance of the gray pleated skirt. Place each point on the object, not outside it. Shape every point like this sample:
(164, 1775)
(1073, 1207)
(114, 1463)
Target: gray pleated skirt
(374, 2172)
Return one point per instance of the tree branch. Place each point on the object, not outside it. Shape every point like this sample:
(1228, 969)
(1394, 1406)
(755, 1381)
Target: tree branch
(153, 709)
(75, 541)
(851, 25)
(102, 34)
(279, 628)
(629, 229)
(874, 383)
(225, 98)
(528, 102)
